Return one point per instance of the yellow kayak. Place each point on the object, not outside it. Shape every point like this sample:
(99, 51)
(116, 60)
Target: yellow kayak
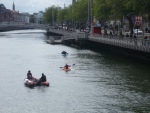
(63, 68)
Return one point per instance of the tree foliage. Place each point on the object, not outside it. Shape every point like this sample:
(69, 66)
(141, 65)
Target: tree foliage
(80, 10)
(50, 14)
(106, 9)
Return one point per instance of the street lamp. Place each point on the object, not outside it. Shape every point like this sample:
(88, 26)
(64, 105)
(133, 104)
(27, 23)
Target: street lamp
(88, 12)
(52, 17)
(131, 18)
(90, 20)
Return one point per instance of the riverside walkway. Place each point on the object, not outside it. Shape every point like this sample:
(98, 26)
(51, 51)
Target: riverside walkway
(138, 43)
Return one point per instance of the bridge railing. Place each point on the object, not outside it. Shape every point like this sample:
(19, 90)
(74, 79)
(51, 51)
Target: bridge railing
(131, 43)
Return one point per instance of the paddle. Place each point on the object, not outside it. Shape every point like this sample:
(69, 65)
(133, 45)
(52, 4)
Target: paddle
(69, 66)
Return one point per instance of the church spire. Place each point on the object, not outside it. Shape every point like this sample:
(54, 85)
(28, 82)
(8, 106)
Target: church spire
(13, 6)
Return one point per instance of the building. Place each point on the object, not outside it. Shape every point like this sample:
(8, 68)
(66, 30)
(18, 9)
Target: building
(38, 17)
(2, 12)
(25, 18)
(8, 16)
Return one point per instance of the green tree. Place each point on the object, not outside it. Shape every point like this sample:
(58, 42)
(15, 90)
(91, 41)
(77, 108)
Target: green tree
(50, 14)
(101, 9)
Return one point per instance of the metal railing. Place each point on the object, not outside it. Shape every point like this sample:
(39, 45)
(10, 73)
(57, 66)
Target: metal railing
(126, 42)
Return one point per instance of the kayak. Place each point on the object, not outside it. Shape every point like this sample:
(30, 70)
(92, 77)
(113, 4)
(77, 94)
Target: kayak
(63, 68)
(64, 52)
(34, 82)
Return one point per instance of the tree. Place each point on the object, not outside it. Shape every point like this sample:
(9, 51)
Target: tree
(50, 14)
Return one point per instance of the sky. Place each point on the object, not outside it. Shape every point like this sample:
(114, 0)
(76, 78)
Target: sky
(34, 6)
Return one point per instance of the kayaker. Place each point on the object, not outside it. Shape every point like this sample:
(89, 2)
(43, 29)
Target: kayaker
(66, 66)
(29, 75)
(64, 52)
(43, 78)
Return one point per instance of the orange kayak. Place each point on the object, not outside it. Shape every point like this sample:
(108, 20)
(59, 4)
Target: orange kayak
(63, 68)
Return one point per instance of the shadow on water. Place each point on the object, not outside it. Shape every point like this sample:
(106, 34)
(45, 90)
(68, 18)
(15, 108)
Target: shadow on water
(128, 77)
(30, 87)
(139, 81)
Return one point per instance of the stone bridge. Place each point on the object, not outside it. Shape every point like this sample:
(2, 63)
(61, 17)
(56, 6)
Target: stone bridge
(68, 35)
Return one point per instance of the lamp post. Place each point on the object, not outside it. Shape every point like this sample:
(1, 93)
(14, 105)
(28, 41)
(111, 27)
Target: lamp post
(72, 25)
(90, 19)
(0, 13)
(52, 17)
(88, 12)
(131, 18)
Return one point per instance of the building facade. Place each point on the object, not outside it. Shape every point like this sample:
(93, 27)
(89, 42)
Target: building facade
(14, 17)
(2, 12)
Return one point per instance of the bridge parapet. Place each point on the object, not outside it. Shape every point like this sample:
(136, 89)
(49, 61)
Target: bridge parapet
(82, 36)
(69, 35)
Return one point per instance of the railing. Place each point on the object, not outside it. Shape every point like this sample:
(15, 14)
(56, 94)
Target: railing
(126, 42)
(67, 34)
(20, 24)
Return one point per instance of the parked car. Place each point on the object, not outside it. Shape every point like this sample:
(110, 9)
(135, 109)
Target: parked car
(64, 27)
(138, 31)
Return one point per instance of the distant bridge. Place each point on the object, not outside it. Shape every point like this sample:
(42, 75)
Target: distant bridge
(6, 26)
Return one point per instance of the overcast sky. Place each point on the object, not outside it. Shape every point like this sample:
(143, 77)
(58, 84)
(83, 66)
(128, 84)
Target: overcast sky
(33, 6)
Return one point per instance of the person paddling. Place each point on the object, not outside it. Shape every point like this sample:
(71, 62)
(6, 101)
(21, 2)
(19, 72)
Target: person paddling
(66, 66)
(64, 52)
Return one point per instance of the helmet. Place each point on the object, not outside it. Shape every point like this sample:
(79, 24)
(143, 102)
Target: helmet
(29, 71)
(42, 73)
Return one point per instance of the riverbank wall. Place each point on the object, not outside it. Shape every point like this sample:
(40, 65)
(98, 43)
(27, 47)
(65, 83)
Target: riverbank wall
(11, 28)
(137, 48)
(119, 51)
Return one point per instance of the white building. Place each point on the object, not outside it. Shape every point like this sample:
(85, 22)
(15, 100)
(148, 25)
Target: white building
(25, 18)
(38, 17)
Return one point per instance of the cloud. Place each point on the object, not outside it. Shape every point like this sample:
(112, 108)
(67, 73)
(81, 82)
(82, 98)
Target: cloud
(32, 6)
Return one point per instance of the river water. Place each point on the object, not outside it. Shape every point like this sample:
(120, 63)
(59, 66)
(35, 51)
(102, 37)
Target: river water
(97, 83)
